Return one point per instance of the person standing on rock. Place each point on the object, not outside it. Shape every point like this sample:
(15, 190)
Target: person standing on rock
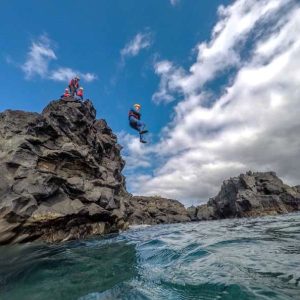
(134, 117)
(66, 94)
(79, 94)
(74, 85)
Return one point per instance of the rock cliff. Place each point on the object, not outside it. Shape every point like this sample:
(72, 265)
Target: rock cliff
(61, 178)
(249, 195)
(154, 210)
(60, 174)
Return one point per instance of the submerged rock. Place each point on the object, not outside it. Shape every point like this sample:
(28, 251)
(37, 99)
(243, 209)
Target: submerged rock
(60, 174)
(248, 195)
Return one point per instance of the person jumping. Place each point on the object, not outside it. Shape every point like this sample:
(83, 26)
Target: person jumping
(134, 117)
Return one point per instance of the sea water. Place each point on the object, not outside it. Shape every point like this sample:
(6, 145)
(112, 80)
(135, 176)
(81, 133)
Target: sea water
(255, 258)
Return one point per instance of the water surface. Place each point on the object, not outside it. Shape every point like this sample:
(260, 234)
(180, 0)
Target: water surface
(230, 259)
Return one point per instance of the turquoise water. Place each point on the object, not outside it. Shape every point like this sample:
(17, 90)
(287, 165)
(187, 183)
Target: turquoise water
(230, 259)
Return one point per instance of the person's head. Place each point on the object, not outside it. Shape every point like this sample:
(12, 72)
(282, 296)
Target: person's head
(81, 88)
(137, 107)
(77, 78)
(66, 90)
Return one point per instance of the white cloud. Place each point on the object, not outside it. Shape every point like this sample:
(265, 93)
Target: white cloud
(62, 74)
(39, 57)
(65, 74)
(220, 53)
(88, 77)
(135, 155)
(170, 75)
(174, 2)
(254, 124)
(136, 45)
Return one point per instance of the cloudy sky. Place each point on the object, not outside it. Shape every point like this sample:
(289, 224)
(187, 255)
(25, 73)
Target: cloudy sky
(219, 82)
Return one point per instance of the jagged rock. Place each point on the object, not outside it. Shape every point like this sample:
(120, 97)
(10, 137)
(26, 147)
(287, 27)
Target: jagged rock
(60, 174)
(154, 210)
(192, 212)
(250, 194)
(61, 179)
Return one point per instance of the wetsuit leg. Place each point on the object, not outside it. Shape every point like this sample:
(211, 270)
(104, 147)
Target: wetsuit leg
(141, 126)
(138, 126)
(133, 122)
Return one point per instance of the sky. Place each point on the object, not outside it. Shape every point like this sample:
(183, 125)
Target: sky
(218, 81)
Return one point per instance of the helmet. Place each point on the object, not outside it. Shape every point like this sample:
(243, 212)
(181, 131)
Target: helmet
(137, 105)
(77, 77)
(81, 88)
(66, 90)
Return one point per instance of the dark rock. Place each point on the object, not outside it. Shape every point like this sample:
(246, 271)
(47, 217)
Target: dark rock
(61, 179)
(155, 210)
(192, 212)
(60, 174)
(251, 194)
(297, 188)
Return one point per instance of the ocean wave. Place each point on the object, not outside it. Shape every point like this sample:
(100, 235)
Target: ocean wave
(228, 259)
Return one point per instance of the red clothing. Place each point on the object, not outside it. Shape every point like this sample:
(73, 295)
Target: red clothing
(80, 93)
(67, 94)
(74, 82)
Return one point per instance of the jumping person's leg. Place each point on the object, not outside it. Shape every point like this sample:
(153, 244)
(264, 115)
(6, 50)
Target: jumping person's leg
(139, 126)
(142, 127)
(133, 124)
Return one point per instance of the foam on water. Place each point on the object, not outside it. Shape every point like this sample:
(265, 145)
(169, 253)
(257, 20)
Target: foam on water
(230, 259)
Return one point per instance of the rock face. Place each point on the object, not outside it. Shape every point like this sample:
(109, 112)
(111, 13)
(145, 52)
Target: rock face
(61, 179)
(251, 194)
(155, 210)
(60, 174)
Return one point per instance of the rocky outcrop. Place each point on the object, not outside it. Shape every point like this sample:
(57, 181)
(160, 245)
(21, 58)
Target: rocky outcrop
(154, 210)
(61, 179)
(60, 174)
(250, 194)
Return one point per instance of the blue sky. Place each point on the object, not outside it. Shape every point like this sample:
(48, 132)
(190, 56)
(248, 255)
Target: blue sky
(89, 38)
(209, 76)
